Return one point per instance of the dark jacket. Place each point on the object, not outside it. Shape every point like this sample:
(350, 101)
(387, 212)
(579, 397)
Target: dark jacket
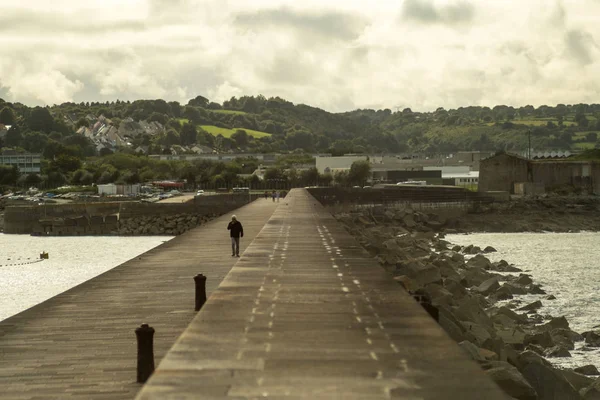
(235, 229)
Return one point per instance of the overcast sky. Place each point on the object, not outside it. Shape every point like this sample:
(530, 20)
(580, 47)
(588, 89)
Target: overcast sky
(335, 54)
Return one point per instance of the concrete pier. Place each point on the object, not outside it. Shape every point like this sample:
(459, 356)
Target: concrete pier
(306, 313)
(81, 344)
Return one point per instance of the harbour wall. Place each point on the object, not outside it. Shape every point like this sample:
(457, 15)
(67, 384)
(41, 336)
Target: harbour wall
(114, 218)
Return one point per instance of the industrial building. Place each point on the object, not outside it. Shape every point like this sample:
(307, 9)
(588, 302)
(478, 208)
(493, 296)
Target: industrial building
(515, 174)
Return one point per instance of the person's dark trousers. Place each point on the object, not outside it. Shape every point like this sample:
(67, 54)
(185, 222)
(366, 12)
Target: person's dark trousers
(235, 246)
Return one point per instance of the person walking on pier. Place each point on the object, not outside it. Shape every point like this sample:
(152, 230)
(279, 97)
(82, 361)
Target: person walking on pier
(235, 232)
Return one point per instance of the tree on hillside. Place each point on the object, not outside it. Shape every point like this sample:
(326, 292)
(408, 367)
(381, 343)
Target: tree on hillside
(189, 134)
(205, 138)
(360, 173)
(8, 174)
(301, 139)
(34, 142)
(82, 122)
(65, 163)
(175, 109)
(198, 101)
(40, 119)
(7, 117)
(13, 137)
(591, 137)
(240, 137)
(195, 115)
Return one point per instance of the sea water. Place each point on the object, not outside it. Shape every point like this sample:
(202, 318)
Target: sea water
(567, 265)
(25, 280)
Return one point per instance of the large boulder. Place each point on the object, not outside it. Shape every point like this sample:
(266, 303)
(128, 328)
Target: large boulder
(531, 306)
(511, 381)
(478, 332)
(458, 291)
(565, 337)
(592, 392)
(426, 274)
(507, 312)
(476, 353)
(524, 279)
(514, 337)
(543, 339)
(579, 381)
(489, 249)
(557, 351)
(451, 325)
(503, 293)
(439, 295)
(470, 309)
(555, 323)
(592, 338)
(489, 286)
(447, 268)
(503, 266)
(515, 288)
(474, 277)
(479, 261)
(548, 382)
(587, 370)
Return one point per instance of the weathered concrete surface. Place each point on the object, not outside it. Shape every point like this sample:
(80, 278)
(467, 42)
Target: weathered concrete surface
(307, 314)
(81, 344)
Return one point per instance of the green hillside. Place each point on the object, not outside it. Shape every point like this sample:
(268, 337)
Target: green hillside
(226, 132)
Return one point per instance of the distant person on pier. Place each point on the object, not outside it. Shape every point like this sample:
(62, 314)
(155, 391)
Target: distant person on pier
(235, 232)
(273, 196)
(266, 195)
(277, 195)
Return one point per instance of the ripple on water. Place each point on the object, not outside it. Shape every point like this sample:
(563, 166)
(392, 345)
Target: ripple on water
(72, 260)
(567, 264)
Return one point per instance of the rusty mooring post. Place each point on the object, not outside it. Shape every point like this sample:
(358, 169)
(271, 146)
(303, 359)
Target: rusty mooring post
(145, 361)
(200, 291)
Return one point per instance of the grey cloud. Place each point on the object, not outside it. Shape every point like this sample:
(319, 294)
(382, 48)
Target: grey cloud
(329, 24)
(31, 22)
(425, 11)
(288, 69)
(579, 46)
(559, 15)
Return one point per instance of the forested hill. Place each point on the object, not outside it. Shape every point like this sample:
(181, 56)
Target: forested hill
(259, 124)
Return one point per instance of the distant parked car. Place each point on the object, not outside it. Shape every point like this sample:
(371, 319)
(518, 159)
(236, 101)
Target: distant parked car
(200, 193)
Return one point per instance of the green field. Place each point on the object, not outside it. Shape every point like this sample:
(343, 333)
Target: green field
(229, 112)
(583, 145)
(541, 122)
(215, 130)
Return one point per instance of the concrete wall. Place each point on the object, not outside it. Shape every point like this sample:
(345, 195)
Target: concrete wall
(103, 218)
(397, 194)
(582, 174)
(501, 172)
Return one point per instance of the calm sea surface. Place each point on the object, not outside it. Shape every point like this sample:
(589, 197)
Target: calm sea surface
(25, 281)
(566, 264)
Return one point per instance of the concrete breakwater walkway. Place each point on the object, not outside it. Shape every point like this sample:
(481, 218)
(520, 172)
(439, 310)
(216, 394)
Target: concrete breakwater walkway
(306, 313)
(81, 343)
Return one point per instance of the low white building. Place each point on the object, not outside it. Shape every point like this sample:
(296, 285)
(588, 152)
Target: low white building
(328, 164)
(462, 175)
(111, 189)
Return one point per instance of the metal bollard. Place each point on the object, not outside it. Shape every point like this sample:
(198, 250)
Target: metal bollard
(145, 361)
(200, 291)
